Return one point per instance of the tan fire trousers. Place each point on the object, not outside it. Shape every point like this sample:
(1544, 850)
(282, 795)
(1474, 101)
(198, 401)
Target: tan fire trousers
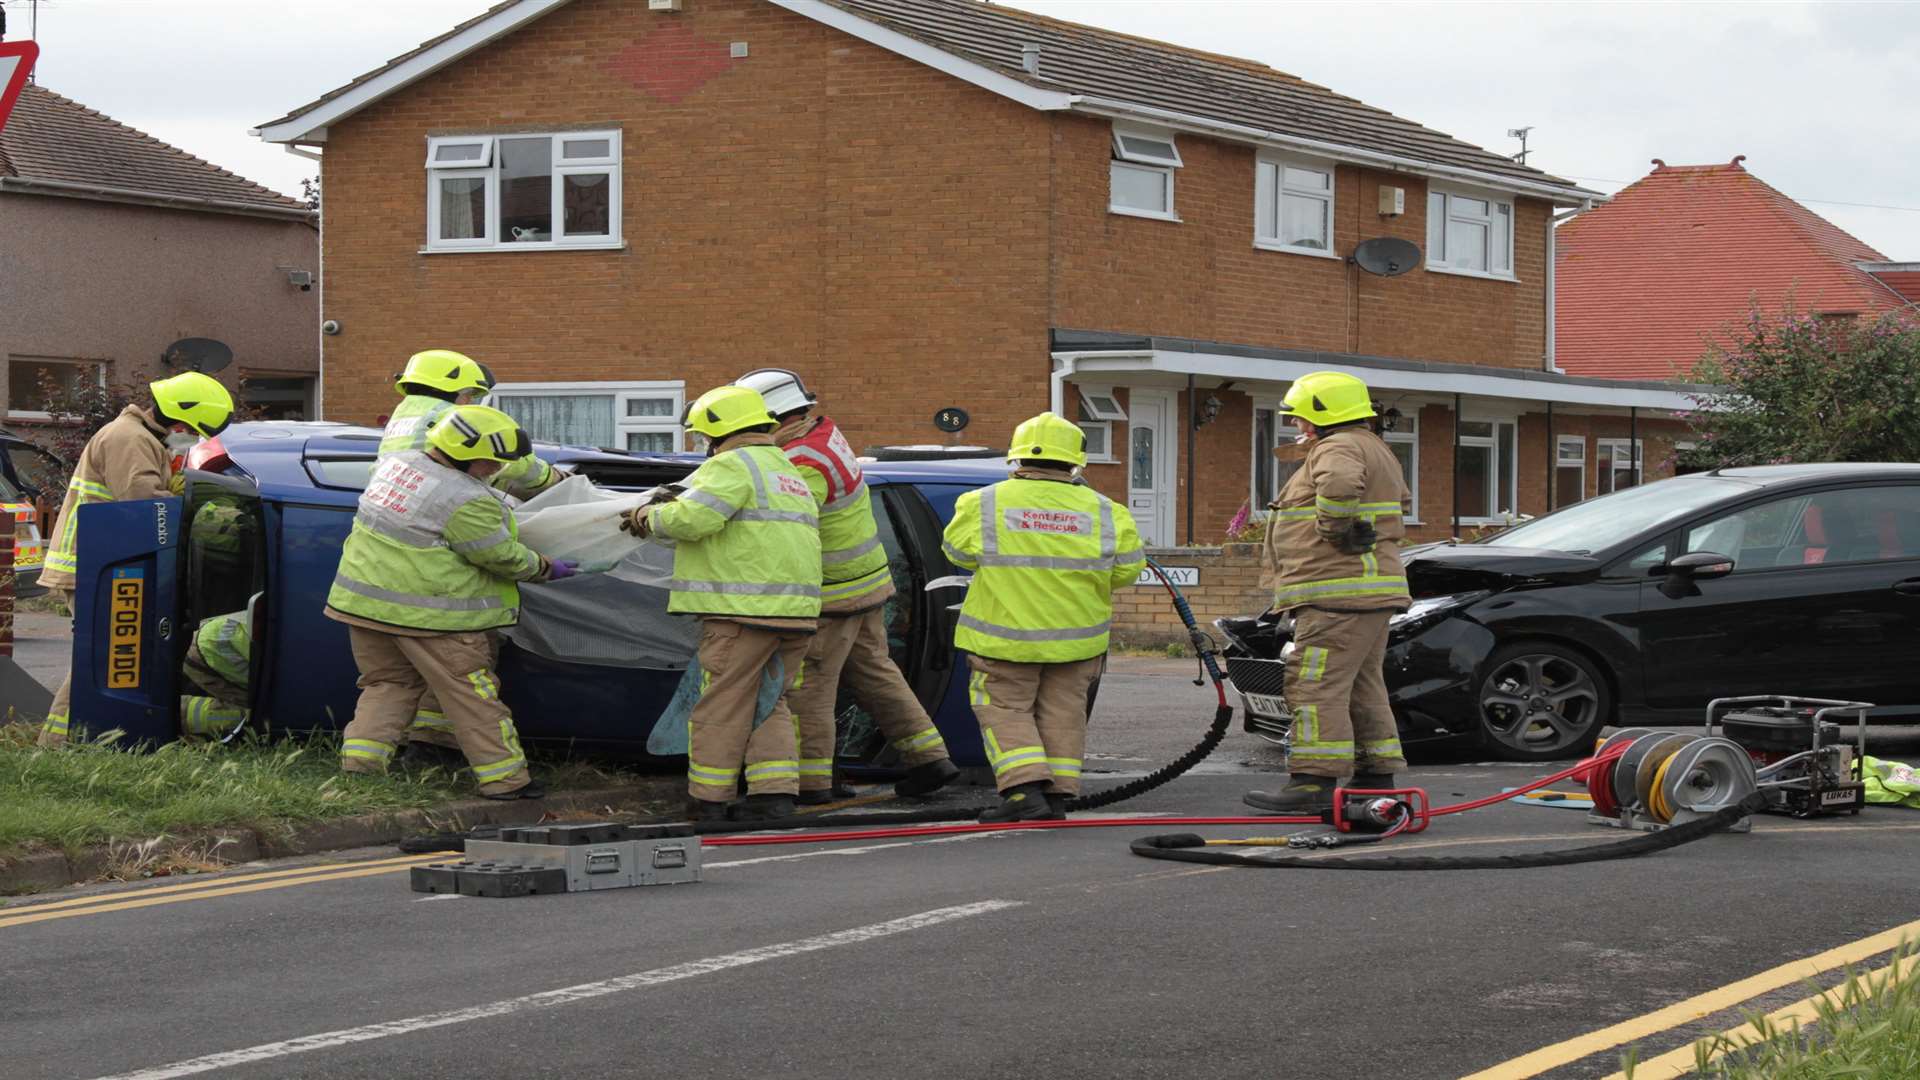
(1033, 718)
(721, 738)
(1337, 689)
(54, 731)
(853, 649)
(396, 670)
(430, 724)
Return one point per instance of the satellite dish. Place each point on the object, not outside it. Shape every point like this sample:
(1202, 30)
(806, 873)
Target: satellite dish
(197, 354)
(1387, 256)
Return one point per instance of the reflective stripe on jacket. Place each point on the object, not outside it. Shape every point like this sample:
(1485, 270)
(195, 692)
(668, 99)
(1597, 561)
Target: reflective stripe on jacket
(432, 549)
(1047, 555)
(407, 430)
(1350, 475)
(854, 574)
(127, 459)
(748, 535)
(226, 646)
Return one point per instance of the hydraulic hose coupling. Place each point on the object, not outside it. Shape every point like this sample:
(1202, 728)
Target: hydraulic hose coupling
(1399, 809)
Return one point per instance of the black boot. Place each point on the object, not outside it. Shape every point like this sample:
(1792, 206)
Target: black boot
(1303, 795)
(817, 798)
(761, 808)
(1022, 802)
(702, 810)
(534, 789)
(1370, 781)
(926, 779)
(1057, 802)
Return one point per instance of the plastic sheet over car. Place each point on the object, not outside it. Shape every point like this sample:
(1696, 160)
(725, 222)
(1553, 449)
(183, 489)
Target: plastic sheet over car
(615, 615)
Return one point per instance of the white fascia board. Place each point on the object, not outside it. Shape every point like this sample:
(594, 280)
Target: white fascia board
(895, 42)
(1117, 365)
(305, 126)
(1124, 110)
(1889, 267)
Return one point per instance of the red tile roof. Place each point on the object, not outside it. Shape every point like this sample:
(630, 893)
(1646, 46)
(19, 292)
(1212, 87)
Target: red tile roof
(1644, 282)
(1904, 280)
(55, 139)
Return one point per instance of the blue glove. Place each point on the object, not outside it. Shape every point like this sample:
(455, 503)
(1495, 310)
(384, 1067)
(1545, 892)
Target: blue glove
(561, 569)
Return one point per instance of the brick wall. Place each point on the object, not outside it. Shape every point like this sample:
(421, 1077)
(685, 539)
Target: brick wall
(819, 204)
(1143, 615)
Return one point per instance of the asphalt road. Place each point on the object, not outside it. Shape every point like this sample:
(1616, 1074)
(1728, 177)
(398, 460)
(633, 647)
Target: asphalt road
(1056, 954)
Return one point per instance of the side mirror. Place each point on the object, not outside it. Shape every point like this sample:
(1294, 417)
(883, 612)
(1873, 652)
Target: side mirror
(1697, 566)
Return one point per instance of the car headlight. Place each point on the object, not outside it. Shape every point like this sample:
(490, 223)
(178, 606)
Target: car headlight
(1432, 609)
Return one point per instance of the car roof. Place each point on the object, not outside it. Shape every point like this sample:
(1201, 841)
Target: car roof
(1787, 474)
(273, 451)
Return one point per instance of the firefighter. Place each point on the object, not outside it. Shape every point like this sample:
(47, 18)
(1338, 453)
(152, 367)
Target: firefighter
(436, 380)
(1335, 567)
(746, 560)
(217, 665)
(857, 581)
(433, 382)
(1047, 552)
(129, 458)
(433, 564)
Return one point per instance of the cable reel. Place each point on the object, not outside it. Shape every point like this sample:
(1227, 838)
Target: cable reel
(1660, 779)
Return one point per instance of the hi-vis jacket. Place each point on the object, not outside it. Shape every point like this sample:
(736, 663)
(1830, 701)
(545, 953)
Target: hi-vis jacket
(854, 575)
(432, 549)
(1350, 475)
(749, 536)
(1047, 555)
(407, 430)
(127, 459)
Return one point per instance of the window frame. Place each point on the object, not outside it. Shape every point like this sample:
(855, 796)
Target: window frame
(1092, 410)
(1256, 500)
(1491, 442)
(99, 379)
(620, 392)
(1105, 427)
(560, 167)
(1559, 463)
(1601, 446)
(1136, 161)
(1409, 438)
(1438, 260)
(1269, 201)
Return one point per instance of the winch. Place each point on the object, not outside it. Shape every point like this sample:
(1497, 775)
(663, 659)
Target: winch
(1804, 766)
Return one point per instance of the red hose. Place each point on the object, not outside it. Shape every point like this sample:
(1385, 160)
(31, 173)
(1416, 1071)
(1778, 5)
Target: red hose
(1596, 765)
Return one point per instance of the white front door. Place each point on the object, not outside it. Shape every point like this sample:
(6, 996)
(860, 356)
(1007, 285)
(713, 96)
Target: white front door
(1152, 441)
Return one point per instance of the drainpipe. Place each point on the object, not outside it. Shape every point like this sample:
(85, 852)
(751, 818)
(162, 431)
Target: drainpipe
(1455, 530)
(320, 301)
(1063, 367)
(1553, 462)
(1553, 228)
(1192, 428)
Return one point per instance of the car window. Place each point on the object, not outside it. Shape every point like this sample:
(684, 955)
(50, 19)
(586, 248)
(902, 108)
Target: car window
(350, 473)
(1649, 558)
(859, 736)
(36, 468)
(1849, 525)
(1598, 524)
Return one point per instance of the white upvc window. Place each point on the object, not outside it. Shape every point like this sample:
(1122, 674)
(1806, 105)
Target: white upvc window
(1271, 429)
(638, 417)
(1140, 176)
(1293, 205)
(1402, 432)
(1569, 469)
(1469, 233)
(1099, 409)
(1614, 470)
(1485, 471)
(38, 386)
(523, 192)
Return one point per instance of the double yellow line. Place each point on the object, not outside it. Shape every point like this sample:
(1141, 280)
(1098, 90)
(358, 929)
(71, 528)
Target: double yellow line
(207, 890)
(1697, 1008)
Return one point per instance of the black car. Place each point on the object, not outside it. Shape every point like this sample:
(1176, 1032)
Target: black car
(27, 473)
(1641, 606)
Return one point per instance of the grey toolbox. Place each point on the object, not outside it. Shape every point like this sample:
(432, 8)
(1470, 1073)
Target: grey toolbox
(567, 858)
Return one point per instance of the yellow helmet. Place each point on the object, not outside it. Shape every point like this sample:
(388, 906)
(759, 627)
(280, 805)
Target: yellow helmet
(194, 399)
(479, 433)
(1326, 398)
(724, 410)
(445, 370)
(1048, 437)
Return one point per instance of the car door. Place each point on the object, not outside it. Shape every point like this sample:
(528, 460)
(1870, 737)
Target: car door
(1823, 601)
(127, 640)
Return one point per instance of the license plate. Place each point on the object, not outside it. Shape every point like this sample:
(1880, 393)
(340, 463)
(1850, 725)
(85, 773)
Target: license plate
(126, 610)
(1267, 705)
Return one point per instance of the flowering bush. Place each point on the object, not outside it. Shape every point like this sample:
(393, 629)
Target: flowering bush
(1803, 388)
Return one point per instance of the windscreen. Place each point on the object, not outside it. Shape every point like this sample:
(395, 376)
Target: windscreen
(1599, 524)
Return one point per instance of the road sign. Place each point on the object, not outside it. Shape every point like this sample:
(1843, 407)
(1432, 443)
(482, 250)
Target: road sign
(16, 62)
(1180, 575)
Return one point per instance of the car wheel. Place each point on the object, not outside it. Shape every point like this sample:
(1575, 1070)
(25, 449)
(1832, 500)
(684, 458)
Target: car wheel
(1540, 701)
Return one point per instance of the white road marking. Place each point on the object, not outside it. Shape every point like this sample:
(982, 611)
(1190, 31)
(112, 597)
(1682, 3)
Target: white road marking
(857, 850)
(439, 896)
(566, 995)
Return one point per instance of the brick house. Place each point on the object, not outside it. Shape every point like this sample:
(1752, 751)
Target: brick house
(934, 205)
(118, 245)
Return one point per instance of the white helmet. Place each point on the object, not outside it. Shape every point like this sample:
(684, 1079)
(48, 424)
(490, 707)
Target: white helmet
(782, 389)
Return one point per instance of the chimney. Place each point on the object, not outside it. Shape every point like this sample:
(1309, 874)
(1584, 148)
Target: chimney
(1030, 58)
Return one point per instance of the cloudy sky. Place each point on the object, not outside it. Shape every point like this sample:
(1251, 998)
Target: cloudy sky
(1818, 96)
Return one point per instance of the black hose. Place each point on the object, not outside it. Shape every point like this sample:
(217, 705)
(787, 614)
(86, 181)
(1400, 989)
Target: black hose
(1222, 717)
(1190, 847)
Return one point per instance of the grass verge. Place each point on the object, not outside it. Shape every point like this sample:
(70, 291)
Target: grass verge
(92, 794)
(1868, 1027)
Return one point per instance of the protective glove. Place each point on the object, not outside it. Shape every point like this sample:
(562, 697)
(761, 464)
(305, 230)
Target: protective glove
(177, 483)
(636, 521)
(562, 569)
(1358, 539)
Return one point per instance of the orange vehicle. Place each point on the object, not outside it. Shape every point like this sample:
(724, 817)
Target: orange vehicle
(27, 474)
